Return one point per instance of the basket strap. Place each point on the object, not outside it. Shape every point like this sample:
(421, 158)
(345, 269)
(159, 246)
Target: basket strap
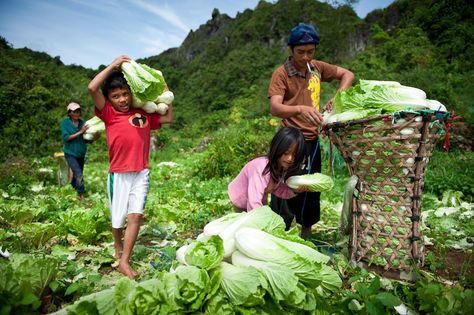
(331, 170)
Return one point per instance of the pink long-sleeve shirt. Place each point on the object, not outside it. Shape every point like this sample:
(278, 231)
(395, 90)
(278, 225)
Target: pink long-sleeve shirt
(247, 190)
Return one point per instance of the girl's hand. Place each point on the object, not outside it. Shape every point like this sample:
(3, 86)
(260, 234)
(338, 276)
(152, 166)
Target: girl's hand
(271, 187)
(301, 190)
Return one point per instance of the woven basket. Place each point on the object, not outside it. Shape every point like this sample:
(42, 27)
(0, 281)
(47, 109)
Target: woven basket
(389, 155)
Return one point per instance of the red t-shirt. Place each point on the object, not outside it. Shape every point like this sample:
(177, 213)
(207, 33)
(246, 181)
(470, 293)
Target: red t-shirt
(128, 137)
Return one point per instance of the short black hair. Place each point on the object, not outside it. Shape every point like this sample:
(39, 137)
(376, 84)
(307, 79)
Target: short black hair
(280, 144)
(115, 80)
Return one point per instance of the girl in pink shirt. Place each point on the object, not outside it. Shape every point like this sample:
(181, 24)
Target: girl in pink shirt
(267, 174)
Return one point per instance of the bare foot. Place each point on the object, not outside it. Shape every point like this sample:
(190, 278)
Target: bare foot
(126, 270)
(81, 197)
(118, 251)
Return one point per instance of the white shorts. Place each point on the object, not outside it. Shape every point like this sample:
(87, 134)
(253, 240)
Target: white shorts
(127, 194)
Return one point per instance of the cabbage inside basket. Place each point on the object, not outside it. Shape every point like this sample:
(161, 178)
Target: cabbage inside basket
(389, 155)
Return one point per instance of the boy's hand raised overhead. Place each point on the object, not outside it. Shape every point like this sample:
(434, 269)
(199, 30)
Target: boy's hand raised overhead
(95, 84)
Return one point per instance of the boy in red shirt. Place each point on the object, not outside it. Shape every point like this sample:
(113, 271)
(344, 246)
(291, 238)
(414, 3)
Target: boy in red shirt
(128, 132)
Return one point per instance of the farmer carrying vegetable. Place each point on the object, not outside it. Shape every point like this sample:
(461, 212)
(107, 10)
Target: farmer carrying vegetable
(127, 131)
(294, 94)
(75, 148)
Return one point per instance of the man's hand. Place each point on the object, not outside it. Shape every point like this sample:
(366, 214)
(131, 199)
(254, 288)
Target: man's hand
(329, 105)
(311, 115)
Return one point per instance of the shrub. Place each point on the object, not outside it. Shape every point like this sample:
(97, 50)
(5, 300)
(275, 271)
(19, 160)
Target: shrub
(230, 148)
(450, 170)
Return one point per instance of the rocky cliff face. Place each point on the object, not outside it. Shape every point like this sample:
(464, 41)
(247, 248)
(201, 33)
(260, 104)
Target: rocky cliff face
(268, 18)
(195, 41)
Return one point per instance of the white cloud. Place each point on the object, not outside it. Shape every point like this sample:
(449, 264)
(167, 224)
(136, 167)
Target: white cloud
(165, 12)
(155, 40)
(105, 6)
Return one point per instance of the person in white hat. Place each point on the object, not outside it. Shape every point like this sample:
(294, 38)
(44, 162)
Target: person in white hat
(75, 148)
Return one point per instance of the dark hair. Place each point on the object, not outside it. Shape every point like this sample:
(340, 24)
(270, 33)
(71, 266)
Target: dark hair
(280, 144)
(115, 80)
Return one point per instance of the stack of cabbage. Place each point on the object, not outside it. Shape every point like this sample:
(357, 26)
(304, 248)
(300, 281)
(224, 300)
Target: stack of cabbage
(262, 267)
(148, 87)
(242, 263)
(371, 97)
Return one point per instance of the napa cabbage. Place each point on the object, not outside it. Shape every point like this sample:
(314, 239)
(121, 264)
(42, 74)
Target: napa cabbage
(166, 97)
(283, 283)
(332, 117)
(150, 107)
(162, 108)
(95, 125)
(243, 285)
(147, 297)
(371, 97)
(146, 83)
(311, 182)
(188, 287)
(220, 224)
(307, 263)
(205, 252)
(370, 94)
(263, 218)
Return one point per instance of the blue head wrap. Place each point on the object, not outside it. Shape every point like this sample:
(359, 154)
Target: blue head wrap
(303, 34)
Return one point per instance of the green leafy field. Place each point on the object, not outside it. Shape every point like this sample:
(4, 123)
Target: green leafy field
(62, 249)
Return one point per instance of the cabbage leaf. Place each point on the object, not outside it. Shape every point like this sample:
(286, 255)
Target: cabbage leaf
(146, 83)
(284, 285)
(244, 285)
(262, 218)
(205, 252)
(307, 263)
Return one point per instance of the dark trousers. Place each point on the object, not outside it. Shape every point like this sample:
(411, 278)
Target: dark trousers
(77, 166)
(305, 207)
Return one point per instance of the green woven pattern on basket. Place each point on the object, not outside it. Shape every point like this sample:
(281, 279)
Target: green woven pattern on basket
(389, 157)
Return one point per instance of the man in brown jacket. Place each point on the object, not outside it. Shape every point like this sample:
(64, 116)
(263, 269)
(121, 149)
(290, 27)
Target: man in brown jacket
(294, 94)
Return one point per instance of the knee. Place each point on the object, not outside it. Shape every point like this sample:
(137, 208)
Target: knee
(135, 218)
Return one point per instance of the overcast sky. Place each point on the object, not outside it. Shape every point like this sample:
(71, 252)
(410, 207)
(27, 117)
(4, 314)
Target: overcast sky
(94, 32)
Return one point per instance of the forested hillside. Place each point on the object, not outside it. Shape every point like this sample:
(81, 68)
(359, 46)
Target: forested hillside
(226, 63)
(56, 250)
